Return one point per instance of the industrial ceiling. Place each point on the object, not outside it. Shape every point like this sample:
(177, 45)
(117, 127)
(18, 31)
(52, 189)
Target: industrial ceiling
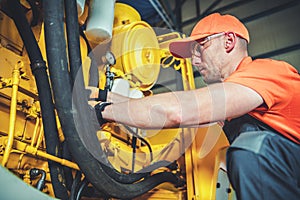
(273, 24)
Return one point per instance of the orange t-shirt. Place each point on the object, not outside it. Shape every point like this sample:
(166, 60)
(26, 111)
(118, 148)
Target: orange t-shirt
(278, 83)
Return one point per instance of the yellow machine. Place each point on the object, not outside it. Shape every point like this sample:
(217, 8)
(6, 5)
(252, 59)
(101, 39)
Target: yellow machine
(47, 137)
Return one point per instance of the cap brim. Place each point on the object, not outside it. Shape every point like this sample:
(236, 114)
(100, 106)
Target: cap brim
(181, 48)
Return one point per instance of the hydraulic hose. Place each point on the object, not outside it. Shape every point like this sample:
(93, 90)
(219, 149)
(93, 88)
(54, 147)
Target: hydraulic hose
(73, 38)
(72, 28)
(38, 68)
(67, 170)
(134, 177)
(81, 188)
(75, 64)
(68, 110)
(109, 187)
(74, 187)
(73, 32)
(123, 178)
(41, 183)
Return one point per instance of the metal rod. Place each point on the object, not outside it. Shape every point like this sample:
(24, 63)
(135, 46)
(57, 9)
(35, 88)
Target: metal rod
(227, 7)
(23, 147)
(279, 51)
(197, 4)
(271, 11)
(169, 10)
(212, 6)
(161, 13)
(13, 113)
(178, 12)
(35, 131)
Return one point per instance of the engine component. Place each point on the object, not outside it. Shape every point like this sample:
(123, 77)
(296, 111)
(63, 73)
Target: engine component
(136, 48)
(100, 21)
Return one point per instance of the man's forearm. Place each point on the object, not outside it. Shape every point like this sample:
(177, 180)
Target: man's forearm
(116, 98)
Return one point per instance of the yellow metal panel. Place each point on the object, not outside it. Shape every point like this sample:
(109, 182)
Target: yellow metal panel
(207, 144)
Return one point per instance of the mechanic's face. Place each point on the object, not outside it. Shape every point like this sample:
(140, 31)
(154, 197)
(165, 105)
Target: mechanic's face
(205, 58)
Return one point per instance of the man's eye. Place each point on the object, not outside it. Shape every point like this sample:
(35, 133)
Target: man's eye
(202, 42)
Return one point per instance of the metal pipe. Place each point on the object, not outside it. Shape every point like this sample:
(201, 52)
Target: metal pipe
(41, 136)
(178, 12)
(13, 113)
(38, 68)
(212, 6)
(277, 52)
(270, 11)
(23, 147)
(36, 172)
(169, 11)
(42, 154)
(156, 5)
(222, 9)
(197, 2)
(35, 131)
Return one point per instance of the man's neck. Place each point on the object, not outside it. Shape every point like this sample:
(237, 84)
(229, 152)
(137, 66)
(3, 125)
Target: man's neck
(232, 65)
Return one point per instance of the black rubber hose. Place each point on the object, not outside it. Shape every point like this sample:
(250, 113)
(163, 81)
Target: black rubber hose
(87, 192)
(121, 177)
(111, 188)
(142, 139)
(67, 170)
(38, 68)
(93, 70)
(61, 84)
(81, 188)
(133, 146)
(134, 177)
(41, 182)
(75, 64)
(75, 184)
(73, 37)
(35, 12)
(82, 34)
(72, 28)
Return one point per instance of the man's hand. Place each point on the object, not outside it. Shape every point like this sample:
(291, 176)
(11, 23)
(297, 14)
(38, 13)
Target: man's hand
(99, 107)
(98, 100)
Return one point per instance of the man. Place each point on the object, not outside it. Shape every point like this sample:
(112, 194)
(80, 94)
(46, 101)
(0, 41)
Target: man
(259, 99)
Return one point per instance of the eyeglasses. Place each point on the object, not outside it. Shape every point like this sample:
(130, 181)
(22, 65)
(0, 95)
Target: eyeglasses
(196, 47)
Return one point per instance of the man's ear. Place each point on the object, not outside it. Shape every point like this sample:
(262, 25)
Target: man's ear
(230, 41)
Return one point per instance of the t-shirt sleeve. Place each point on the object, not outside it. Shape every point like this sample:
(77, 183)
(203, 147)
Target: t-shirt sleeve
(266, 77)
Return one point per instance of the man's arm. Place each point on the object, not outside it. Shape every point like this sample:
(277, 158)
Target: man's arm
(216, 102)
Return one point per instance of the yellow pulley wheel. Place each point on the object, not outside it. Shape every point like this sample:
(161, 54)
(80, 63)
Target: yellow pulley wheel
(141, 56)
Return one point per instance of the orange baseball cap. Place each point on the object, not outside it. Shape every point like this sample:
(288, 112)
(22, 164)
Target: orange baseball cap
(209, 25)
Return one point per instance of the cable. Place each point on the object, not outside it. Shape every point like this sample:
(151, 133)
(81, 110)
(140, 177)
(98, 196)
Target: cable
(133, 145)
(36, 172)
(83, 184)
(142, 139)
